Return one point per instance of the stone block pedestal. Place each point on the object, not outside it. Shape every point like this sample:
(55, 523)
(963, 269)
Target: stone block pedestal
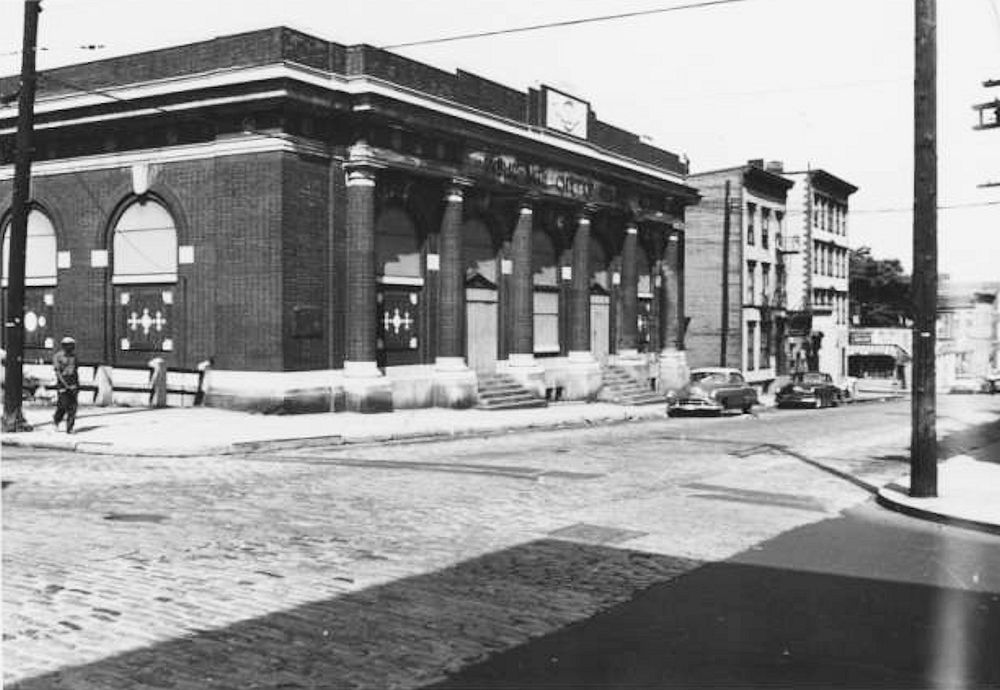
(366, 389)
(455, 385)
(526, 370)
(674, 372)
(582, 377)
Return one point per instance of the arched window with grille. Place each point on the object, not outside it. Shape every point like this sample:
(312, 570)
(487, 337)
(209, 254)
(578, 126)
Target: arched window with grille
(40, 263)
(144, 275)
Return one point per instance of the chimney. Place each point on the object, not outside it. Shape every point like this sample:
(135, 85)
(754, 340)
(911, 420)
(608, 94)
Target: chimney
(756, 162)
(775, 167)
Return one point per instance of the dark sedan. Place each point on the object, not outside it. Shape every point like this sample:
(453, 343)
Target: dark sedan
(814, 389)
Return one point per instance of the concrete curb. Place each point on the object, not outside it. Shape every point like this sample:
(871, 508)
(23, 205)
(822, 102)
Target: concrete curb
(886, 499)
(655, 412)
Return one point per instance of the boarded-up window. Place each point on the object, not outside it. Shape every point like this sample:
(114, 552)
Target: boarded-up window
(546, 322)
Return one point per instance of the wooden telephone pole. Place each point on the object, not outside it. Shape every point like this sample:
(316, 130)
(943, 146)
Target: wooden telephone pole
(923, 437)
(724, 326)
(13, 417)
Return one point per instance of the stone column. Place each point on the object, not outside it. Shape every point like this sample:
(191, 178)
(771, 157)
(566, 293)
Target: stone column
(630, 294)
(455, 385)
(365, 389)
(521, 364)
(673, 361)
(523, 289)
(451, 312)
(579, 327)
(582, 379)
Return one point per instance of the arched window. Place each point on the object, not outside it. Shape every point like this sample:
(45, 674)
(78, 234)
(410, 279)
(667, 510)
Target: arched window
(477, 251)
(144, 248)
(599, 274)
(40, 257)
(397, 246)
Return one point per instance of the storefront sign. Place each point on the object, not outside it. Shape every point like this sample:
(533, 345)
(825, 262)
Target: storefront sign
(799, 323)
(512, 170)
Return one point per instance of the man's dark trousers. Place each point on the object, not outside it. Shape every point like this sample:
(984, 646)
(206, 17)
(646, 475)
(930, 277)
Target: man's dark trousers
(66, 407)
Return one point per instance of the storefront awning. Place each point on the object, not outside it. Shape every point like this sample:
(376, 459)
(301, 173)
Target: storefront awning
(895, 351)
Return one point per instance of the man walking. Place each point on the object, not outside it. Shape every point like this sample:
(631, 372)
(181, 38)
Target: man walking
(67, 383)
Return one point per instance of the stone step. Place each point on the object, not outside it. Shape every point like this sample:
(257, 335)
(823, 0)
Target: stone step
(621, 389)
(501, 392)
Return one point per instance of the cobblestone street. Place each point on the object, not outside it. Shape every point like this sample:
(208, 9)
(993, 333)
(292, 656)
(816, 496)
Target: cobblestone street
(393, 565)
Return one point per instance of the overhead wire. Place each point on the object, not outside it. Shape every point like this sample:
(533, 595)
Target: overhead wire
(563, 23)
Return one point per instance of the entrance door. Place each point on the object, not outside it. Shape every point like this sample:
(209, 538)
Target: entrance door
(600, 327)
(481, 329)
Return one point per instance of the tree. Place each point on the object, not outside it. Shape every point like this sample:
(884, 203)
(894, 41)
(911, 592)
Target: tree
(880, 290)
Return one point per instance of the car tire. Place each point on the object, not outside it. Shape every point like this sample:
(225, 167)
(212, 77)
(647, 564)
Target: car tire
(747, 408)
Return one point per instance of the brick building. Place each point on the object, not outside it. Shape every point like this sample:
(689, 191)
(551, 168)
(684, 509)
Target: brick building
(277, 203)
(736, 294)
(818, 274)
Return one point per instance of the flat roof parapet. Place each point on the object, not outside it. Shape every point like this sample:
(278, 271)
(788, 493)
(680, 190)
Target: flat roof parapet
(282, 44)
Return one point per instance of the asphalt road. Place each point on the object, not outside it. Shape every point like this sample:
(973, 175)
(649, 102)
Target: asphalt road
(687, 550)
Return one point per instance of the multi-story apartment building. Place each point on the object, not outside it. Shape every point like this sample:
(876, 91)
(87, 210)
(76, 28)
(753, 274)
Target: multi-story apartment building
(818, 275)
(735, 293)
(968, 331)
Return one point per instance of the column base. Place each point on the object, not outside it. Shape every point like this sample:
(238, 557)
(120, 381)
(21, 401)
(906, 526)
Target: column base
(674, 372)
(455, 384)
(526, 370)
(366, 389)
(582, 378)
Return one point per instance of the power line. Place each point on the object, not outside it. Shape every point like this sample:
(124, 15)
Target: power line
(563, 23)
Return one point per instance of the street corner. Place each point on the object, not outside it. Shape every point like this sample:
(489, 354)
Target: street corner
(968, 496)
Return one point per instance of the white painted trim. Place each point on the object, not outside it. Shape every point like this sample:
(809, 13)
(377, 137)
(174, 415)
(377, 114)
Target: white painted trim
(251, 143)
(153, 111)
(353, 86)
(400, 280)
(146, 279)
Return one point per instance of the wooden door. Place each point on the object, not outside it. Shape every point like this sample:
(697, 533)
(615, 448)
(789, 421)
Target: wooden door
(600, 327)
(481, 329)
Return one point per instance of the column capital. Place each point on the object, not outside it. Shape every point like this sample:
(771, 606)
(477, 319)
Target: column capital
(631, 228)
(361, 176)
(456, 188)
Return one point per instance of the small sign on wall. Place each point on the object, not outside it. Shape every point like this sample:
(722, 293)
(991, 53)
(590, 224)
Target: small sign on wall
(98, 258)
(185, 254)
(63, 259)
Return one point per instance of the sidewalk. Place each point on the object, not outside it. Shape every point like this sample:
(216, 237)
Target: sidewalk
(968, 493)
(175, 432)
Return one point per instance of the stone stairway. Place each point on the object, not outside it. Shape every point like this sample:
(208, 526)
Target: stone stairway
(501, 392)
(622, 389)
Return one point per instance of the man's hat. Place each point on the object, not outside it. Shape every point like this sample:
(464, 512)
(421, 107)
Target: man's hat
(67, 341)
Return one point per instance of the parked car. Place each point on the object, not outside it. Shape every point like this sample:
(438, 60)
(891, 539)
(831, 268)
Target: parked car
(813, 388)
(969, 383)
(713, 389)
(994, 380)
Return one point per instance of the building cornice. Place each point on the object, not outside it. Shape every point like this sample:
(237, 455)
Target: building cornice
(355, 86)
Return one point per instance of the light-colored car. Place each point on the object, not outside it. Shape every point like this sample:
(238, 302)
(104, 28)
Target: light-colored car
(713, 389)
(969, 383)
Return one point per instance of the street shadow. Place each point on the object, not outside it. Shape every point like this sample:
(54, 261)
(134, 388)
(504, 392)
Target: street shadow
(401, 634)
(747, 625)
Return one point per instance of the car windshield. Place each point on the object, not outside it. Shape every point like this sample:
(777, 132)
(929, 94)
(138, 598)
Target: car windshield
(811, 378)
(708, 377)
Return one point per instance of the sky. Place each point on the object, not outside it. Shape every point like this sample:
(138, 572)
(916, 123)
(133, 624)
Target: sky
(813, 83)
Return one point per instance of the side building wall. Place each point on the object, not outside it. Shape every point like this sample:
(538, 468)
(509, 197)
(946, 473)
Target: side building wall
(228, 213)
(703, 272)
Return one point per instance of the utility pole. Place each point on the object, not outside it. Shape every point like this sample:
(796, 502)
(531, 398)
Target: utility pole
(724, 331)
(923, 407)
(13, 417)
